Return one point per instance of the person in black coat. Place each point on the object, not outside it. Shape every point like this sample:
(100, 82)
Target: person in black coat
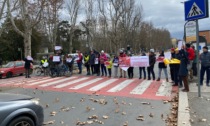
(162, 66)
(172, 67)
(183, 72)
(130, 71)
(92, 61)
(152, 60)
(27, 66)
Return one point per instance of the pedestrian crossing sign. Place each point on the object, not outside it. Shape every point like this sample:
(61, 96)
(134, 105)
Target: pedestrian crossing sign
(196, 9)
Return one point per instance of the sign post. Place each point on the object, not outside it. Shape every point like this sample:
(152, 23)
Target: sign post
(194, 10)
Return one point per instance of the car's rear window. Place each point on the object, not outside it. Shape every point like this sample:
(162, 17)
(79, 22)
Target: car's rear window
(17, 64)
(8, 65)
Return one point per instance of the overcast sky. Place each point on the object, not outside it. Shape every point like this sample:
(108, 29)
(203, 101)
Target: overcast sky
(167, 14)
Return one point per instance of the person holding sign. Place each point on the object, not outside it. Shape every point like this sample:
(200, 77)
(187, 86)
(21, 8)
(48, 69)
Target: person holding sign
(44, 64)
(142, 69)
(116, 65)
(97, 64)
(162, 66)
(152, 60)
(122, 54)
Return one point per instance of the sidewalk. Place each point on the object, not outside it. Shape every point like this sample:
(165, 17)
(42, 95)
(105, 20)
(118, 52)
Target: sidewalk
(194, 110)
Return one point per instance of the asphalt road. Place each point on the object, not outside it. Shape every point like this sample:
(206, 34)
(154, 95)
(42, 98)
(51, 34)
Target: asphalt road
(119, 111)
(72, 108)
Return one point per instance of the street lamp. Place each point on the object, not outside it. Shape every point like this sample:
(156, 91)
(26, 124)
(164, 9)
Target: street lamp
(19, 49)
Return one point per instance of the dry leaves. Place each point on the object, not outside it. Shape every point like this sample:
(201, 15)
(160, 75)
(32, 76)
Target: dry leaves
(145, 103)
(49, 122)
(140, 117)
(53, 113)
(105, 117)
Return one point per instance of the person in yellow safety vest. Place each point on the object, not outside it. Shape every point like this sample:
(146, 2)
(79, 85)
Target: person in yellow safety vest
(44, 64)
(109, 66)
(87, 63)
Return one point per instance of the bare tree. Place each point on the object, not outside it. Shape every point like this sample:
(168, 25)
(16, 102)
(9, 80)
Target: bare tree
(30, 12)
(73, 7)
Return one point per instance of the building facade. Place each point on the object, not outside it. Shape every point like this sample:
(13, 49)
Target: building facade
(206, 35)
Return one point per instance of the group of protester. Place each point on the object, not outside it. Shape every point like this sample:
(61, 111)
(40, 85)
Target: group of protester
(101, 64)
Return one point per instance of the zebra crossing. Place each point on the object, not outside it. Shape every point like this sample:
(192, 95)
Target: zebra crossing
(135, 88)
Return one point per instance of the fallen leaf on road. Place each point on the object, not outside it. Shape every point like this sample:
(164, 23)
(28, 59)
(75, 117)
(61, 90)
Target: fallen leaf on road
(90, 122)
(57, 100)
(88, 108)
(203, 120)
(53, 113)
(140, 117)
(125, 123)
(123, 113)
(151, 115)
(105, 117)
(130, 103)
(162, 116)
(49, 122)
(62, 122)
(165, 101)
(191, 120)
(47, 105)
(145, 103)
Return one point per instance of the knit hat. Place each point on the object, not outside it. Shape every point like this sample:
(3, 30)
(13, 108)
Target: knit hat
(172, 49)
(205, 47)
(152, 50)
(102, 51)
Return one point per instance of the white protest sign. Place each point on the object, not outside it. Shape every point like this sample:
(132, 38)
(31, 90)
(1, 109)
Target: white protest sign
(124, 68)
(56, 59)
(58, 47)
(180, 44)
(139, 61)
(168, 55)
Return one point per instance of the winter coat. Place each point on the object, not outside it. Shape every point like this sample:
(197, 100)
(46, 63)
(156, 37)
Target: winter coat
(183, 57)
(205, 59)
(161, 64)
(116, 61)
(27, 63)
(152, 60)
(92, 59)
(191, 53)
(80, 58)
(103, 58)
(172, 56)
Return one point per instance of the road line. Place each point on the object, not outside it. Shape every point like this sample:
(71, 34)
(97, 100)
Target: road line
(70, 83)
(141, 88)
(164, 89)
(43, 81)
(120, 86)
(55, 82)
(102, 85)
(86, 84)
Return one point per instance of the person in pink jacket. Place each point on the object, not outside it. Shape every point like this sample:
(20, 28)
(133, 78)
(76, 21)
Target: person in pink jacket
(103, 59)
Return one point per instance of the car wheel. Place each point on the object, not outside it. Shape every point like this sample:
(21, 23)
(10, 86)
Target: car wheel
(9, 74)
(22, 121)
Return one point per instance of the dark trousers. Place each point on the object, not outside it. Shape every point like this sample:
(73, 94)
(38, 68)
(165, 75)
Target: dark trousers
(103, 70)
(202, 72)
(27, 72)
(130, 72)
(92, 69)
(140, 72)
(88, 69)
(185, 80)
(110, 71)
(80, 67)
(172, 73)
(97, 69)
(176, 75)
(150, 70)
(194, 67)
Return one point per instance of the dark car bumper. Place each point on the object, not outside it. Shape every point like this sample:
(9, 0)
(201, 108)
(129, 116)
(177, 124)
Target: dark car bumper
(40, 116)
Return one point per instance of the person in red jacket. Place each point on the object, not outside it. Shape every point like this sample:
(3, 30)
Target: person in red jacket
(191, 57)
(122, 54)
(79, 61)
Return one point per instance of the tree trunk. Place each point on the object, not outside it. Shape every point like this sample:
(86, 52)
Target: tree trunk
(70, 42)
(27, 42)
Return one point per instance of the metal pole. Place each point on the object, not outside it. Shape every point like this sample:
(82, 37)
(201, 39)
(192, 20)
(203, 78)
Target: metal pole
(197, 59)
(21, 54)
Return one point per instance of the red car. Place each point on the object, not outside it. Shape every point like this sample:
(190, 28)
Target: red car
(12, 68)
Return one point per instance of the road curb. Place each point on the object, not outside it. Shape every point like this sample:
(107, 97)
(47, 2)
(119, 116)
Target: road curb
(183, 110)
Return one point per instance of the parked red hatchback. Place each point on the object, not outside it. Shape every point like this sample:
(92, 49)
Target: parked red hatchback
(12, 68)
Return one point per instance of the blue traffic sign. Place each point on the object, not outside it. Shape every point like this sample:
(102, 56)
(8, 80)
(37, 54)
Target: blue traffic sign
(196, 9)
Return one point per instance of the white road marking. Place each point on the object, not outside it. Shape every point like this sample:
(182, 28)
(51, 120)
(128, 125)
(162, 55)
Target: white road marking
(102, 85)
(164, 89)
(86, 84)
(141, 88)
(43, 81)
(70, 83)
(120, 86)
(55, 82)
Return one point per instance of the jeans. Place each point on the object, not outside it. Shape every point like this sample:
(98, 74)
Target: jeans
(92, 69)
(176, 75)
(150, 69)
(140, 72)
(103, 69)
(115, 71)
(80, 67)
(164, 70)
(130, 72)
(97, 69)
(172, 73)
(88, 69)
(202, 72)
